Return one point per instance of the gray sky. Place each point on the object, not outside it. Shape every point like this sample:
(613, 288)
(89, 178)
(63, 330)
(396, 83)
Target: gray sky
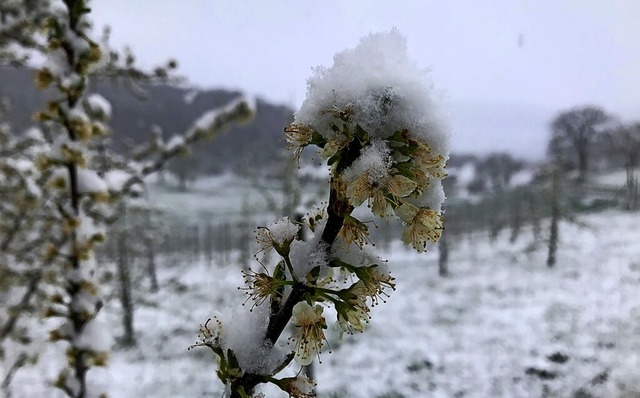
(506, 66)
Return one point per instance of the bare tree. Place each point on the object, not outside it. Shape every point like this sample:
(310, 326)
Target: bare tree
(625, 143)
(499, 168)
(516, 218)
(443, 258)
(185, 168)
(572, 135)
(555, 217)
(124, 278)
(149, 249)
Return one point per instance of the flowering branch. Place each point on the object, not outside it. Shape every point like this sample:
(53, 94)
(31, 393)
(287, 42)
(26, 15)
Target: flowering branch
(374, 121)
(73, 183)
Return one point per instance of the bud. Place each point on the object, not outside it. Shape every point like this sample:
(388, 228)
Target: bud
(43, 78)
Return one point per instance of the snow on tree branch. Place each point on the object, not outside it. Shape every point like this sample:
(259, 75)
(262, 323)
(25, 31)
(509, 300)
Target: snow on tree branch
(208, 126)
(64, 187)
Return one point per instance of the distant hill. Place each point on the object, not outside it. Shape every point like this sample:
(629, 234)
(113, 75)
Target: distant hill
(477, 128)
(173, 109)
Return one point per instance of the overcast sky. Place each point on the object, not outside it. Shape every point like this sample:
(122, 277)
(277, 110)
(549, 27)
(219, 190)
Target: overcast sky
(506, 66)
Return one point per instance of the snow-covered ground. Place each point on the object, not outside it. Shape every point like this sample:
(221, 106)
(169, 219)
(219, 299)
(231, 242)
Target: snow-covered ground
(499, 326)
(208, 199)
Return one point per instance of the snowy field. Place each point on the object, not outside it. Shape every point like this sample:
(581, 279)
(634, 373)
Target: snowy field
(502, 325)
(208, 198)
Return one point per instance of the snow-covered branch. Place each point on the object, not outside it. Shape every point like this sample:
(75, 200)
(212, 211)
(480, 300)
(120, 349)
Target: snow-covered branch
(63, 187)
(375, 119)
(208, 126)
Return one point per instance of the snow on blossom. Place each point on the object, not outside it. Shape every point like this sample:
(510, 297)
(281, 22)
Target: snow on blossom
(63, 149)
(88, 228)
(244, 332)
(307, 255)
(99, 105)
(283, 230)
(383, 88)
(84, 273)
(374, 161)
(354, 256)
(432, 197)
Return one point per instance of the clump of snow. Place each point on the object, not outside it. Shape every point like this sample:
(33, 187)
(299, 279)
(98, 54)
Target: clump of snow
(99, 105)
(88, 228)
(21, 165)
(210, 119)
(384, 89)
(77, 113)
(34, 133)
(94, 336)
(116, 179)
(283, 231)
(84, 303)
(60, 142)
(90, 182)
(97, 384)
(305, 256)
(175, 142)
(244, 332)
(374, 160)
(207, 119)
(432, 197)
(354, 256)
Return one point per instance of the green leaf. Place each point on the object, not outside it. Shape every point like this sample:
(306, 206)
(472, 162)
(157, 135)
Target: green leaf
(336, 262)
(317, 139)
(307, 298)
(223, 369)
(364, 273)
(278, 274)
(233, 361)
(362, 135)
(404, 168)
(315, 272)
(217, 350)
(334, 158)
(399, 137)
(243, 394)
